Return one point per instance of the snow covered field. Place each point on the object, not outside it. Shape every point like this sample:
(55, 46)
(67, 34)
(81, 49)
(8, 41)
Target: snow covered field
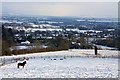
(63, 64)
(73, 52)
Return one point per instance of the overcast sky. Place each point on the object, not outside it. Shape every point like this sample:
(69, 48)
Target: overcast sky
(60, 0)
(78, 9)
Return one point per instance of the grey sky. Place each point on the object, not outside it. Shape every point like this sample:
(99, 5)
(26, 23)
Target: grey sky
(81, 9)
(60, 0)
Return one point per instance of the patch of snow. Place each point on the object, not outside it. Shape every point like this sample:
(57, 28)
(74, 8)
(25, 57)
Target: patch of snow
(67, 68)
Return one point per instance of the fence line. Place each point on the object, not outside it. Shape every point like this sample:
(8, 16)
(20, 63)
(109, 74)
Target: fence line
(4, 60)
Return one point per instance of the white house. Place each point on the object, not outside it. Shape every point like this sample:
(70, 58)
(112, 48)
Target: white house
(25, 43)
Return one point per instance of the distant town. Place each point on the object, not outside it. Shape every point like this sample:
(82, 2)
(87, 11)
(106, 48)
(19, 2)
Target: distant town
(59, 33)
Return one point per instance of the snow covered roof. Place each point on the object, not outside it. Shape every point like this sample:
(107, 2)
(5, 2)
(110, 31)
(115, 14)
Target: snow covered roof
(26, 42)
(48, 29)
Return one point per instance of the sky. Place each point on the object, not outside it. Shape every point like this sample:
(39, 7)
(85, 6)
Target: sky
(76, 9)
(60, 0)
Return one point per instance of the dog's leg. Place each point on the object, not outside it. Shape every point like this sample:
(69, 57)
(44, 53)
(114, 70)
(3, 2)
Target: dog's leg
(18, 66)
(23, 66)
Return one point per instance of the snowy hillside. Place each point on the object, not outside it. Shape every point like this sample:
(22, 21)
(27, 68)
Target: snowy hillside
(63, 64)
(72, 52)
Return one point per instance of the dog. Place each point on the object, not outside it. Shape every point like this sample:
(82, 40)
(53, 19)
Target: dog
(21, 64)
